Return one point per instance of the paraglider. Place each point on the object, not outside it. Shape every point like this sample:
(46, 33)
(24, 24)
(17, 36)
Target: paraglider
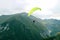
(33, 10)
(33, 21)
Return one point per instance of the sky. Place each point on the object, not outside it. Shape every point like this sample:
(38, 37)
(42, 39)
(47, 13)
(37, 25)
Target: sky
(50, 8)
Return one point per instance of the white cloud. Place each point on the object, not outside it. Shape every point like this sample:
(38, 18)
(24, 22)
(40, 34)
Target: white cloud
(55, 16)
(15, 6)
(11, 6)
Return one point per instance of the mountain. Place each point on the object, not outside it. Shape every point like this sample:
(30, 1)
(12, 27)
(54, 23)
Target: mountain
(53, 25)
(22, 27)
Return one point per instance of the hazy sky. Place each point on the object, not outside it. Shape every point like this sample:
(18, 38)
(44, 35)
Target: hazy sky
(50, 8)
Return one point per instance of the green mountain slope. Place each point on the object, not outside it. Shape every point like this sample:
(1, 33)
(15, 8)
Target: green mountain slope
(22, 27)
(53, 25)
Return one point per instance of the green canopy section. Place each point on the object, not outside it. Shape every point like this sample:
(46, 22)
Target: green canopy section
(33, 10)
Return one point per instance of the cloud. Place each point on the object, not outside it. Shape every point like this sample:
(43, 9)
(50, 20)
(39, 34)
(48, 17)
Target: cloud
(55, 16)
(11, 6)
(8, 7)
(46, 15)
(56, 9)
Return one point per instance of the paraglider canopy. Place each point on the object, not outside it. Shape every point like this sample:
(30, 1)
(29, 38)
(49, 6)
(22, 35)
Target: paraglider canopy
(33, 10)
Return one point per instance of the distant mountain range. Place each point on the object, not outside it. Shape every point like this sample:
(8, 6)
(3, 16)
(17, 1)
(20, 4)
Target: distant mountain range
(53, 25)
(22, 27)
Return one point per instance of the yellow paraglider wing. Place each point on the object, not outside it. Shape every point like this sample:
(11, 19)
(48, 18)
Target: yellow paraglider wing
(33, 9)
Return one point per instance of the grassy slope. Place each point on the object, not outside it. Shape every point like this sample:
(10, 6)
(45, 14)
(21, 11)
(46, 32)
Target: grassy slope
(22, 27)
